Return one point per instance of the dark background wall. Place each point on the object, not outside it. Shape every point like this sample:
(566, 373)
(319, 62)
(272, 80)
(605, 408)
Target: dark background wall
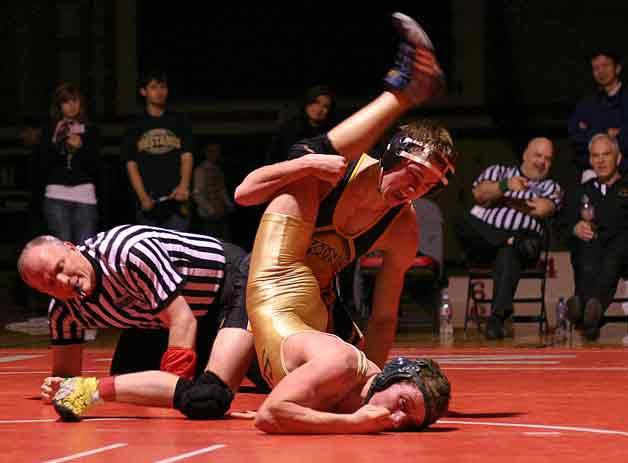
(515, 69)
(273, 50)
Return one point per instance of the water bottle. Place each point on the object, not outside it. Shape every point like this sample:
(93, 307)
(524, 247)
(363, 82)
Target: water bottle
(446, 315)
(587, 212)
(562, 322)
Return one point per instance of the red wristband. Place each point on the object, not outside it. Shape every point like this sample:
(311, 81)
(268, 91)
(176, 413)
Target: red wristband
(179, 360)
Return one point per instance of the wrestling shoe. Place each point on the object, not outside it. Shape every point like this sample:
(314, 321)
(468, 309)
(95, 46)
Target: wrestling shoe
(74, 397)
(415, 85)
(591, 321)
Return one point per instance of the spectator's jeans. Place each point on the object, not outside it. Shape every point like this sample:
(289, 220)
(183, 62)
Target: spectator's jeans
(174, 221)
(69, 220)
(598, 267)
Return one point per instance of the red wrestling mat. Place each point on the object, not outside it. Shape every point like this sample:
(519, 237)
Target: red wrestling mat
(515, 405)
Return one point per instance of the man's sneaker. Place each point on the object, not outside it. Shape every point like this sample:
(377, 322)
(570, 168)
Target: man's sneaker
(574, 311)
(591, 321)
(74, 397)
(403, 77)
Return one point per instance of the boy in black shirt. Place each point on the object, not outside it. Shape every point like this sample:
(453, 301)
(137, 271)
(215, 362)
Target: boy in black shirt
(157, 148)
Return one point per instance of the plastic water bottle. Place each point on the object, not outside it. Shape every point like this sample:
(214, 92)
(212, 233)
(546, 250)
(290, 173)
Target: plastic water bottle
(446, 315)
(562, 322)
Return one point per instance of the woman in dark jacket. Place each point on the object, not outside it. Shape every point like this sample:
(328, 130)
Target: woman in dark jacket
(68, 167)
(315, 117)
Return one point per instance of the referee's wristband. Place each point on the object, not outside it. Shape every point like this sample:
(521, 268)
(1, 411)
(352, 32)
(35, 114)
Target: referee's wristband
(503, 185)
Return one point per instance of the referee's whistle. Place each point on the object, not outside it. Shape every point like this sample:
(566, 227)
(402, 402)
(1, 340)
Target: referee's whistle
(79, 291)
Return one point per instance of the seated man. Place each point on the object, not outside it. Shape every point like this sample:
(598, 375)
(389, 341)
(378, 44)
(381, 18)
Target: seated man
(598, 244)
(311, 230)
(506, 224)
(152, 278)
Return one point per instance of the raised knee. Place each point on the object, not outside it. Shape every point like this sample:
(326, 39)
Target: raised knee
(206, 398)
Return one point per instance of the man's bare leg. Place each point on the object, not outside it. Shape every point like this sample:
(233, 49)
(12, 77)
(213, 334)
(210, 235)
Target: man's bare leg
(231, 356)
(149, 388)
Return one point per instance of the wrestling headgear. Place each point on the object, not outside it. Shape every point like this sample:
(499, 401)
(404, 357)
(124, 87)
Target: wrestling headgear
(424, 143)
(428, 377)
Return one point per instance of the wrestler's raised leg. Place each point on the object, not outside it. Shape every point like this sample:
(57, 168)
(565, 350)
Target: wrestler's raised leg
(415, 78)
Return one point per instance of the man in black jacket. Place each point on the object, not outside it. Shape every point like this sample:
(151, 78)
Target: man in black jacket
(596, 215)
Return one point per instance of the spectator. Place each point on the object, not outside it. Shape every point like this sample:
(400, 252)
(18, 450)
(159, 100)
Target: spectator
(157, 148)
(598, 245)
(213, 203)
(606, 111)
(505, 227)
(314, 118)
(68, 166)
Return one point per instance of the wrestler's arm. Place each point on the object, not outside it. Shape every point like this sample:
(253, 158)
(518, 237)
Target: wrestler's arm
(300, 403)
(264, 183)
(401, 244)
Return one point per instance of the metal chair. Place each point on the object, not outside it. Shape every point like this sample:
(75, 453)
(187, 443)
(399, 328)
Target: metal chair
(618, 300)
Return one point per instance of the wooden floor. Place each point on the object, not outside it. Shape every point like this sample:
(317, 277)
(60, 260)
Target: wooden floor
(525, 399)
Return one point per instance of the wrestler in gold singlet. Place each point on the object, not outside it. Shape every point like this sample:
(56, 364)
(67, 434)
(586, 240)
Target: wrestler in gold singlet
(292, 268)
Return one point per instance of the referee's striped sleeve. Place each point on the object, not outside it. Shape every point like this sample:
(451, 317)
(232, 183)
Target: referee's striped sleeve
(553, 192)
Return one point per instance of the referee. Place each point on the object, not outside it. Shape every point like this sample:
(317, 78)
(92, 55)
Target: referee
(505, 227)
(147, 278)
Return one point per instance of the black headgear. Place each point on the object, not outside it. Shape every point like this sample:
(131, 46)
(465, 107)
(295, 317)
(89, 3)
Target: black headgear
(405, 369)
(435, 155)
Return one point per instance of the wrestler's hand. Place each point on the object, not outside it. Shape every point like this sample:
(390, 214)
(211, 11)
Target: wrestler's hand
(327, 167)
(246, 415)
(49, 388)
(372, 418)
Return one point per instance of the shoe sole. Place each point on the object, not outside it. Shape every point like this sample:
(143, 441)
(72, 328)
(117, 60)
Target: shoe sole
(410, 30)
(65, 413)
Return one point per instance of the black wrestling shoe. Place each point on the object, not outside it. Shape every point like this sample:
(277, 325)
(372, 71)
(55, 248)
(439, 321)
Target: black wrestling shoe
(574, 311)
(591, 320)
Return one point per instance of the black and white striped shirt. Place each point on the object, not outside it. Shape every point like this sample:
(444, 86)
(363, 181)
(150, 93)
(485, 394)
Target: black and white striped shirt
(139, 271)
(507, 218)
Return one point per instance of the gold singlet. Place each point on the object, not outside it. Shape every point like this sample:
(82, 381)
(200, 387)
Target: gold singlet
(292, 267)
